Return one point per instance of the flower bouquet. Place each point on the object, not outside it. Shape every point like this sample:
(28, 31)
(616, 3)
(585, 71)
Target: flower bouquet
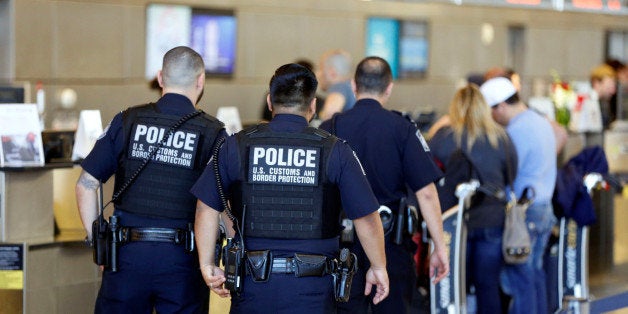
(564, 97)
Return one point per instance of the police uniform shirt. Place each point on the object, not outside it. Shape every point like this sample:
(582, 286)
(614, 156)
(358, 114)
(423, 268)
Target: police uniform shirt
(343, 169)
(102, 161)
(391, 149)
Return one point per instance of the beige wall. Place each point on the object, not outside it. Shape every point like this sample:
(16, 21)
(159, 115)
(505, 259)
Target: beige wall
(97, 47)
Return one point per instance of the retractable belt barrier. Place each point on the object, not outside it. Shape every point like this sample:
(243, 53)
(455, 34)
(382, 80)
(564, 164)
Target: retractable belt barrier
(449, 295)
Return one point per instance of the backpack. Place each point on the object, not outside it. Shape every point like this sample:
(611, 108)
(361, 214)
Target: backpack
(516, 243)
(458, 169)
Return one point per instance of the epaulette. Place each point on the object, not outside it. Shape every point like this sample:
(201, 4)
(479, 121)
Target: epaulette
(407, 116)
(320, 132)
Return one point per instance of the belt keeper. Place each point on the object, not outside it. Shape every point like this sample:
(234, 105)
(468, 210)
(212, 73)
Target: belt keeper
(124, 234)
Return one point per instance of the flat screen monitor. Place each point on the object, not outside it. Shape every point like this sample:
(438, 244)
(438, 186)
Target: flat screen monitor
(57, 145)
(210, 32)
(11, 95)
(403, 43)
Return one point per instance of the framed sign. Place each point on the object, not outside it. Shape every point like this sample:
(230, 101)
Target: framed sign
(20, 132)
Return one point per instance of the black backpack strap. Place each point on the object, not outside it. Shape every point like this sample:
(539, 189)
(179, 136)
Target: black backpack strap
(485, 188)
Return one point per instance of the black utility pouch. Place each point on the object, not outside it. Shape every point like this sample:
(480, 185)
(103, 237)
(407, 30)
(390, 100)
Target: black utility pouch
(259, 264)
(189, 239)
(309, 265)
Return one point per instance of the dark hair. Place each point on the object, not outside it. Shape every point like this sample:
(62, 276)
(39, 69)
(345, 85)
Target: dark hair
(615, 64)
(306, 63)
(292, 85)
(499, 72)
(372, 75)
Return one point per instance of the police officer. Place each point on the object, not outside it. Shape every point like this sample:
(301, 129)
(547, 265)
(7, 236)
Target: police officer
(286, 183)
(154, 270)
(395, 156)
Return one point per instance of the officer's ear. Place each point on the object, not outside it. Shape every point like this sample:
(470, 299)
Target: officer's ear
(270, 106)
(313, 106)
(388, 90)
(160, 79)
(200, 81)
(354, 89)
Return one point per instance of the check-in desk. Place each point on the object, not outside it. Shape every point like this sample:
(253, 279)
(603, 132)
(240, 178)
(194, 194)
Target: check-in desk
(42, 271)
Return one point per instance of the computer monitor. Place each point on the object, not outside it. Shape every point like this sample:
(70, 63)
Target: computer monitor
(11, 95)
(58, 145)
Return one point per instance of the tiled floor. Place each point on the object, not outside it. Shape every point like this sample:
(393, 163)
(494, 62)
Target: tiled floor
(615, 280)
(610, 283)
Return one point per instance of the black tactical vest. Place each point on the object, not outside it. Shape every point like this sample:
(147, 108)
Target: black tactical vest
(283, 185)
(162, 188)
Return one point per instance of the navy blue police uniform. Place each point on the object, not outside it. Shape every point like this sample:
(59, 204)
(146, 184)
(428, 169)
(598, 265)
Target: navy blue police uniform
(291, 179)
(154, 274)
(395, 157)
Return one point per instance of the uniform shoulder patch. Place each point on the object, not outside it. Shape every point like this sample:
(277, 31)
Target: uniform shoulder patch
(422, 140)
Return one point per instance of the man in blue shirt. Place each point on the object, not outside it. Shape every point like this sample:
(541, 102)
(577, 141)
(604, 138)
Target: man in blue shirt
(286, 183)
(532, 136)
(154, 209)
(395, 157)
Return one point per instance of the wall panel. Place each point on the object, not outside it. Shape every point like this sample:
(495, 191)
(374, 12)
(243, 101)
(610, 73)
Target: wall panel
(97, 46)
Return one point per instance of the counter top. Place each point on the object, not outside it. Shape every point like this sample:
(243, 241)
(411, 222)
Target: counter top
(47, 166)
(66, 237)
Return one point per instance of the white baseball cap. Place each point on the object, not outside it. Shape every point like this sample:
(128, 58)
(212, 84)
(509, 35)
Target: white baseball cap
(497, 90)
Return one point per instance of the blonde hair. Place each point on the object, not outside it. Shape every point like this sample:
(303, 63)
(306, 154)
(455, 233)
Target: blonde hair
(602, 71)
(469, 112)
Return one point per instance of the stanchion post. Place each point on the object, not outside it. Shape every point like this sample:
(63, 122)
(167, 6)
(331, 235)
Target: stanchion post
(449, 295)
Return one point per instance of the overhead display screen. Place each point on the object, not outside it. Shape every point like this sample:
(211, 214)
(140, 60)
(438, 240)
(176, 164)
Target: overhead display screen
(593, 6)
(404, 44)
(212, 33)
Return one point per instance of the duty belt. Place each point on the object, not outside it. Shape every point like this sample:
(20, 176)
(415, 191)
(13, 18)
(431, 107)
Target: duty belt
(261, 263)
(287, 265)
(130, 234)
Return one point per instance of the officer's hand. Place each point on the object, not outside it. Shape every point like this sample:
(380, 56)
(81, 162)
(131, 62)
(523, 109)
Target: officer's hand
(439, 261)
(214, 278)
(378, 277)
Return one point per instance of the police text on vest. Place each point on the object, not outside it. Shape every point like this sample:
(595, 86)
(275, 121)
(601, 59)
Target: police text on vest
(284, 165)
